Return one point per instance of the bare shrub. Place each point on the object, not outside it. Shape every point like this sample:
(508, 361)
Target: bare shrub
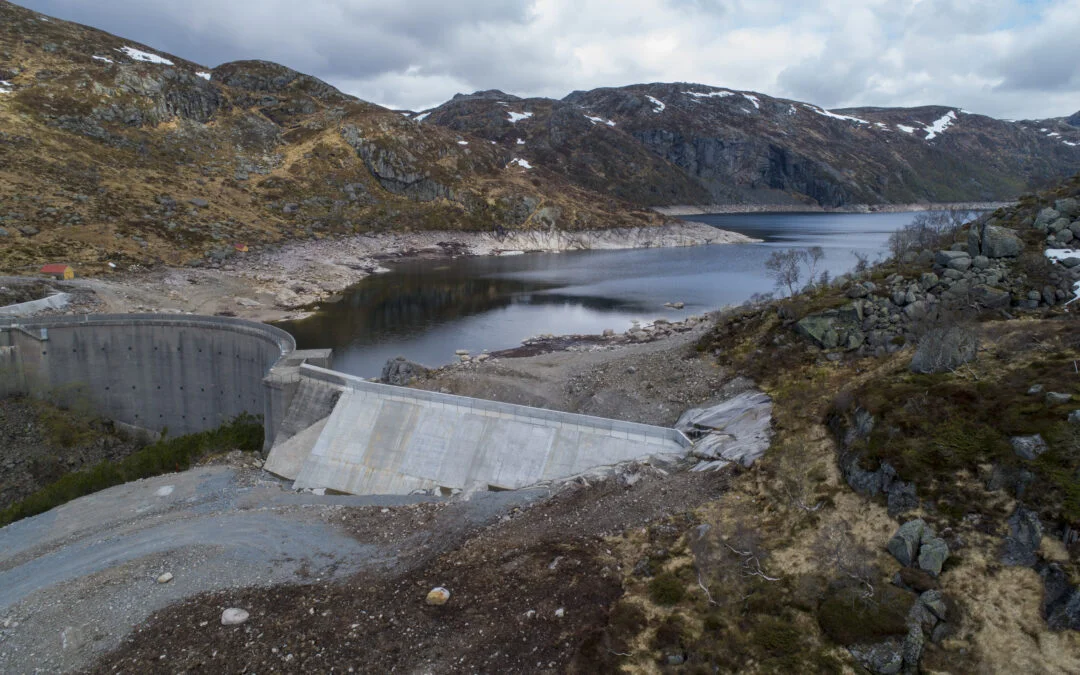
(837, 549)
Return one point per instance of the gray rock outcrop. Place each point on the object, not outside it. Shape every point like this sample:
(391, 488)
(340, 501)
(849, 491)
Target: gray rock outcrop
(400, 371)
(736, 430)
(915, 543)
(1025, 535)
(1028, 447)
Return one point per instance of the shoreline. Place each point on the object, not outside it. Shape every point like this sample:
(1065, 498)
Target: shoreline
(288, 281)
(677, 210)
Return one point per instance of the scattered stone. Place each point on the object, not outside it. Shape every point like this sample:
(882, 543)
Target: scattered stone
(234, 616)
(1061, 599)
(1074, 417)
(28, 230)
(461, 352)
(165, 578)
(1057, 398)
(437, 596)
(560, 613)
(199, 202)
(248, 302)
(1035, 389)
(1029, 447)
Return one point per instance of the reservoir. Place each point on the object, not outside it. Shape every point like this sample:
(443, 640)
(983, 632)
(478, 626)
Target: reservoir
(424, 310)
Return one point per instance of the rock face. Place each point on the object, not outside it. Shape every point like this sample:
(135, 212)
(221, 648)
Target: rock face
(737, 430)
(683, 143)
(1025, 535)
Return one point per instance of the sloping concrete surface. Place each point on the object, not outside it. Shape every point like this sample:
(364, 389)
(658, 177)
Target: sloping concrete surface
(391, 440)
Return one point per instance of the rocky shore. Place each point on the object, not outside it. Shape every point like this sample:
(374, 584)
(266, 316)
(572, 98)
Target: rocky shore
(705, 209)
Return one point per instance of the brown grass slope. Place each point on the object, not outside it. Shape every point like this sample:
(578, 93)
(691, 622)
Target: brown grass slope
(115, 159)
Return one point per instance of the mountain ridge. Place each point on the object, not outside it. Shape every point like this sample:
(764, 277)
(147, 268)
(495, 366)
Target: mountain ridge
(743, 147)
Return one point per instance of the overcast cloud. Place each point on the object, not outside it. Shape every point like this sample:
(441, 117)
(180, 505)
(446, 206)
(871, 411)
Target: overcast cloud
(1006, 58)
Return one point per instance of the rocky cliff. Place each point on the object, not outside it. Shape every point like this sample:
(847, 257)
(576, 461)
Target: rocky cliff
(113, 154)
(663, 144)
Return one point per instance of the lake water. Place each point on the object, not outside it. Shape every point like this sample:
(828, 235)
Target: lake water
(424, 310)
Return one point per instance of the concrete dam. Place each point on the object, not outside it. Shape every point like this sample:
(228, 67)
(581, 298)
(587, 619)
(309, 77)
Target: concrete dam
(323, 429)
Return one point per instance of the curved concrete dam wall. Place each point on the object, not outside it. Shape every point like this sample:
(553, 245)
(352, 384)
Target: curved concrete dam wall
(150, 371)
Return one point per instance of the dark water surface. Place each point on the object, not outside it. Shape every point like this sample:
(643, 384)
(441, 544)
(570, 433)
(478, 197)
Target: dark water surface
(424, 310)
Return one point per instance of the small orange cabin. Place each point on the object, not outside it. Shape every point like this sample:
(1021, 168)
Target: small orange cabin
(58, 271)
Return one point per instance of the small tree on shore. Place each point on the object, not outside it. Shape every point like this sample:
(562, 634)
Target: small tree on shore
(785, 267)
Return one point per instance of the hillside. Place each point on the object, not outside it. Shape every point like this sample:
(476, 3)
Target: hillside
(113, 152)
(665, 144)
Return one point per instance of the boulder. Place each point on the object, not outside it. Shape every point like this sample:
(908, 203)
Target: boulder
(1068, 207)
(819, 329)
(946, 258)
(1000, 242)
(990, 297)
(944, 349)
(400, 371)
(1028, 447)
(1022, 542)
(1045, 217)
(904, 545)
(932, 555)
(1057, 398)
(1074, 417)
(199, 202)
(980, 262)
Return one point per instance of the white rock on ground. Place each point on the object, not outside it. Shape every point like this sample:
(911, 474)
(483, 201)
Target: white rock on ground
(234, 616)
(165, 578)
(437, 596)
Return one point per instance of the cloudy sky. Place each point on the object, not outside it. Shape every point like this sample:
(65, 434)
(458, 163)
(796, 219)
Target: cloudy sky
(1006, 58)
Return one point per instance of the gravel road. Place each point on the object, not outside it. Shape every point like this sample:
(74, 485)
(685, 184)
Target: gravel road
(76, 580)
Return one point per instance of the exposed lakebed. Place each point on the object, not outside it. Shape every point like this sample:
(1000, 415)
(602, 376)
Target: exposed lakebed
(426, 309)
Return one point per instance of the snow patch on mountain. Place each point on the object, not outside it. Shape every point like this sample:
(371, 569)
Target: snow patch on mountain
(721, 93)
(204, 75)
(517, 117)
(106, 59)
(754, 100)
(940, 125)
(835, 116)
(520, 162)
(658, 105)
(140, 55)
(599, 120)
(5, 87)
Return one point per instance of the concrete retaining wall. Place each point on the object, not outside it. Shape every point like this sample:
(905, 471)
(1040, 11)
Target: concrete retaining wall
(150, 371)
(54, 301)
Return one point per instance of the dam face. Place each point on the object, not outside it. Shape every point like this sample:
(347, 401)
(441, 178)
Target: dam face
(150, 372)
(323, 429)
